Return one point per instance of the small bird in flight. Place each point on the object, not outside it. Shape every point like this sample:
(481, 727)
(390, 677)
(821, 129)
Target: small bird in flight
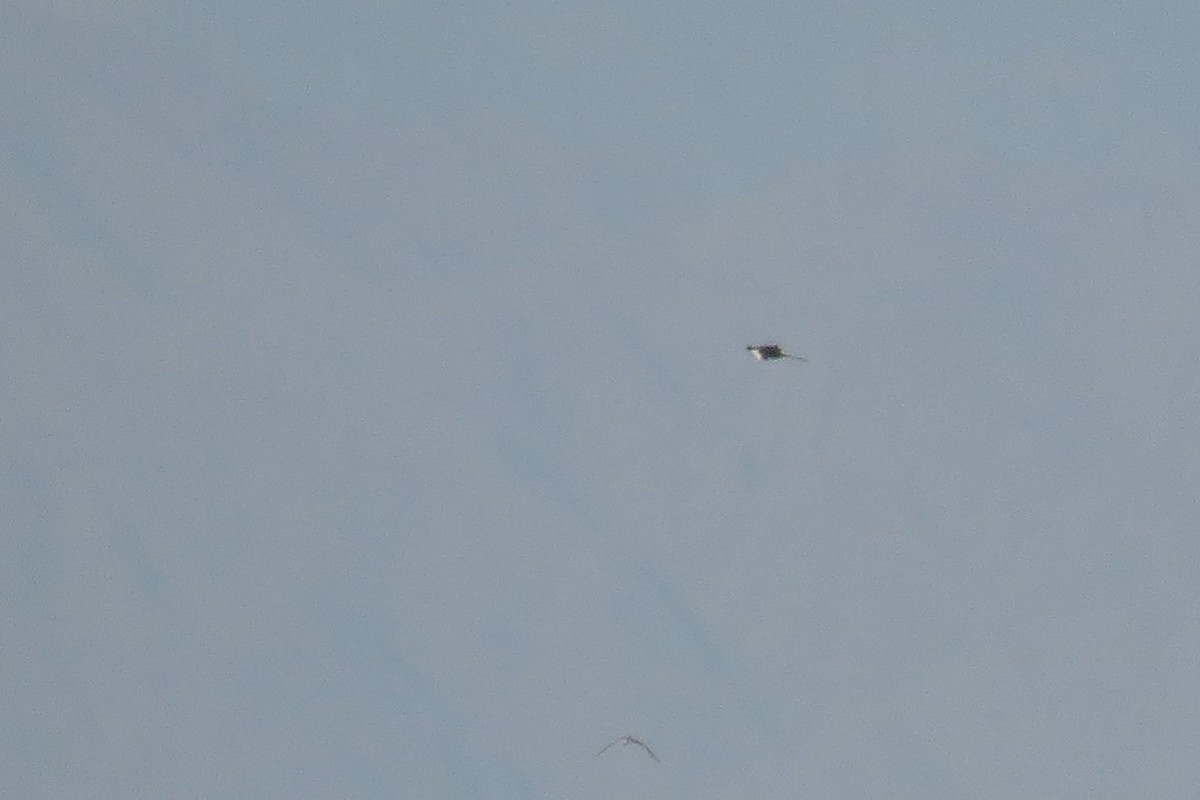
(770, 352)
(629, 740)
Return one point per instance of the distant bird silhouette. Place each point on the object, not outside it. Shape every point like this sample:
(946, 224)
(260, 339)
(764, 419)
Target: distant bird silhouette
(770, 352)
(629, 740)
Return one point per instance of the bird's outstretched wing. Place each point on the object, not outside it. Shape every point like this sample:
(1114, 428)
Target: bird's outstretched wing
(610, 744)
(644, 746)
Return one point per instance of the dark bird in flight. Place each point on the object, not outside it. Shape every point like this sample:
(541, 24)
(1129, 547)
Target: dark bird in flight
(629, 740)
(770, 352)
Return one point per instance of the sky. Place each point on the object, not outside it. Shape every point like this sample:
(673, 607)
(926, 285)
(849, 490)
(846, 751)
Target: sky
(378, 422)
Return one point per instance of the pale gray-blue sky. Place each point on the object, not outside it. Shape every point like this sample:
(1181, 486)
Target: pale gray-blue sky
(379, 423)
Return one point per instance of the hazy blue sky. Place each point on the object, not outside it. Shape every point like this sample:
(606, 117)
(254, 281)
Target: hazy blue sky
(378, 425)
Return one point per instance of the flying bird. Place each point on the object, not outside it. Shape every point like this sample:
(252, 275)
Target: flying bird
(626, 740)
(770, 352)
